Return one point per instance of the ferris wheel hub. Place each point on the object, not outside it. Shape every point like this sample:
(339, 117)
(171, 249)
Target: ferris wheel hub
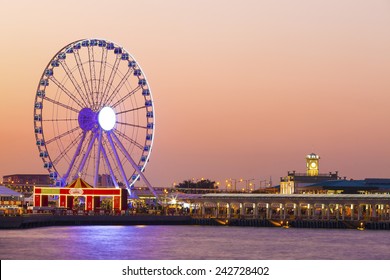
(87, 119)
(107, 118)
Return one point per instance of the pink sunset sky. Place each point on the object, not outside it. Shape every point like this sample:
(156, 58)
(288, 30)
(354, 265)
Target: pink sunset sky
(242, 89)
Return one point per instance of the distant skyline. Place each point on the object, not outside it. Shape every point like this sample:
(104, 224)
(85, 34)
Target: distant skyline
(242, 89)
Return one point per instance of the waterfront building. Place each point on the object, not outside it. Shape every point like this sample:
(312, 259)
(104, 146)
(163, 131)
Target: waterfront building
(69, 197)
(295, 183)
(313, 182)
(9, 198)
(24, 183)
(351, 207)
(343, 186)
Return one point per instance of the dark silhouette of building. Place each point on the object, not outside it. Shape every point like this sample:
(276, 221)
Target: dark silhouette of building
(24, 183)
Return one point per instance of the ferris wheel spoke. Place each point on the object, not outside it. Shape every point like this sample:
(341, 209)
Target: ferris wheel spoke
(92, 71)
(83, 77)
(76, 154)
(126, 96)
(119, 86)
(86, 155)
(66, 91)
(131, 110)
(110, 80)
(109, 167)
(133, 125)
(135, 166)
(97, 162)
(60, 104)
(118, 161)
(124, 136)
(74, 82)
(102, 73)
(62, 135)
(67, 149)
(86, 168)
(59, 120)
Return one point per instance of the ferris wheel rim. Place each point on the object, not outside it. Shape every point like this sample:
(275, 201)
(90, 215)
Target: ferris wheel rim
(44, 147)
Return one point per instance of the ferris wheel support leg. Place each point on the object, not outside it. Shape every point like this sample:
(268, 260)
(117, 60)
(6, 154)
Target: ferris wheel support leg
(86, 155)
(98, 158)
(135, 166)
(118, 161)
(109, 168)
(65, 178)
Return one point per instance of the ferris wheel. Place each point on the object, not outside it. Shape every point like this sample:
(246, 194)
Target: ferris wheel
(94, 115)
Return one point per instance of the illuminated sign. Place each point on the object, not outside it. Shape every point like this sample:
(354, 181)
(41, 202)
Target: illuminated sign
(76, 192)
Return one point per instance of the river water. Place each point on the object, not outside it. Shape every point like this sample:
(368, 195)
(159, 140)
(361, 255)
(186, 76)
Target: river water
(192, 243)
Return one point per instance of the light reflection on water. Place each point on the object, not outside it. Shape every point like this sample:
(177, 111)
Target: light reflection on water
(191, 243)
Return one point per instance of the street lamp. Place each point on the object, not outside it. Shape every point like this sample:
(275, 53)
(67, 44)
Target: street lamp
(267, 183)
(247, 183)
(251, 187)
(231, 183)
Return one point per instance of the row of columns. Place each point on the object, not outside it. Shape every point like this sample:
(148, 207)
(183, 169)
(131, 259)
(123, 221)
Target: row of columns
(297, 210)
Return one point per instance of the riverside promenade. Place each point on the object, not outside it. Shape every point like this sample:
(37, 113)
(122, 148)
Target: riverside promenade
(344, 207)
(45, 220)
(41, 220)
(368, 211)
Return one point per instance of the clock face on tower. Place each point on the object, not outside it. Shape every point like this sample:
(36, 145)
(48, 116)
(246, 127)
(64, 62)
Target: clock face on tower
(313, 165)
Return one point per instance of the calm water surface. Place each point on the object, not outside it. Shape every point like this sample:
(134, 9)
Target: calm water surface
(192, 243)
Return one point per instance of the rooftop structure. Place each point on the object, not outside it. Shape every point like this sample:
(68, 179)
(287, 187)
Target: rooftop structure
(292, 183)
(27, 179)
(10, 197)
(366, 186)
(24, 183)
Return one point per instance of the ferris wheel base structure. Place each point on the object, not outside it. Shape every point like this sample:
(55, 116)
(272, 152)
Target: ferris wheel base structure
(94, 116)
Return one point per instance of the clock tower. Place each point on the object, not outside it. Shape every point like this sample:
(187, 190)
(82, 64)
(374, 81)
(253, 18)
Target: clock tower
(312, 164)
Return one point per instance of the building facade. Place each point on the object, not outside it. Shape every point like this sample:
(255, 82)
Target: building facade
(295, 183)
(24, 183)
(313, 182)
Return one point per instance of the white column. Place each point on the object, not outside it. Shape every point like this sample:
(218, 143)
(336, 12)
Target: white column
(280, 211)
(284, 211)
(255, 211)
(328, 212)
(359, 217)
(267, 212)
(299, 210)
(337, 209)
(242, 207)
(383, 211)
(373, 210)
(295, 210)
(228, 210)
(217, 210)
(308, 211)
(352, 211)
